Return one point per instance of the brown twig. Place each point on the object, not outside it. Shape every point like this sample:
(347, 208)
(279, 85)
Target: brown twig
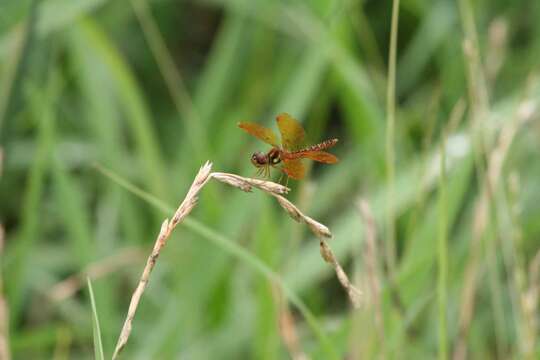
(244, 184)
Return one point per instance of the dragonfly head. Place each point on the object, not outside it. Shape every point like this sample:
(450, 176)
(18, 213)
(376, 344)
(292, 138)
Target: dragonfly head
(259, 159)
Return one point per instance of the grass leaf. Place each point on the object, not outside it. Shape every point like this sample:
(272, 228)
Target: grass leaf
(98, 346)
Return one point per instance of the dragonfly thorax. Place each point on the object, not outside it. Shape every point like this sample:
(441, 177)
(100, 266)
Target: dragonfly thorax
(274, 156)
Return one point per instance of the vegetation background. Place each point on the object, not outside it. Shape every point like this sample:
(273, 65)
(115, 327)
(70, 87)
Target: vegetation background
(99, 96)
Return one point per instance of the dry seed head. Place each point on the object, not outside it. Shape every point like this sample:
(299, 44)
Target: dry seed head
(246, 184)
(232, 180)
(316, 227)
(326, 252)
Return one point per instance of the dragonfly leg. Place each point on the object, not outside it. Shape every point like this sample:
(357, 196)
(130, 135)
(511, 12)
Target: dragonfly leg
(283, 174)
(258, 172)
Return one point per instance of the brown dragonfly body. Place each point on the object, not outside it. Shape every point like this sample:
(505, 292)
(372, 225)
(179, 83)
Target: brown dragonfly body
(290, 153)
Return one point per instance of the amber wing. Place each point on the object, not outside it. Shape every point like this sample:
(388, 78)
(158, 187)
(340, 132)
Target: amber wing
(294, 169)
(260, 132)
(292, 133)
(321, 156)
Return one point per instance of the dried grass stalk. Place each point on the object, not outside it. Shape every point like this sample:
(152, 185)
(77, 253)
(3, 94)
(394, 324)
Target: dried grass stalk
(189, 202)
(355, 296)
(287, 326)
(371, 259)
(166, 228)
(322, 233)
(316, 227)
(524, 113)
(529, 303)
(246, 184)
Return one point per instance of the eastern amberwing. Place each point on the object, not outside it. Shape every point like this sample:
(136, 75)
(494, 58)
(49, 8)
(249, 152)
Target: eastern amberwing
(291, 152)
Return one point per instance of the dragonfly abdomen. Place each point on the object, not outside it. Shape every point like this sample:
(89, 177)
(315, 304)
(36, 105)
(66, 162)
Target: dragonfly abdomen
(317, 147)
(327, 144)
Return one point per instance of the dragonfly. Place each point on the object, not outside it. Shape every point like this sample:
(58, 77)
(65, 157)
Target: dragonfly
(287, 154)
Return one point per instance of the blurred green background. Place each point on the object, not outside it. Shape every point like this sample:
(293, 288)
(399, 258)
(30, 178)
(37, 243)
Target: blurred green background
(147, 91)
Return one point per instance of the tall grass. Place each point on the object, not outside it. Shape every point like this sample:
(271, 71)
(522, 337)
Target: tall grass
(152, 89)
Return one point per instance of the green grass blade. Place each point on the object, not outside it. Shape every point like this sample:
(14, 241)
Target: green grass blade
(390, 243)
(98, 346)
(54, 15)
(21, 250)
(131, 100)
